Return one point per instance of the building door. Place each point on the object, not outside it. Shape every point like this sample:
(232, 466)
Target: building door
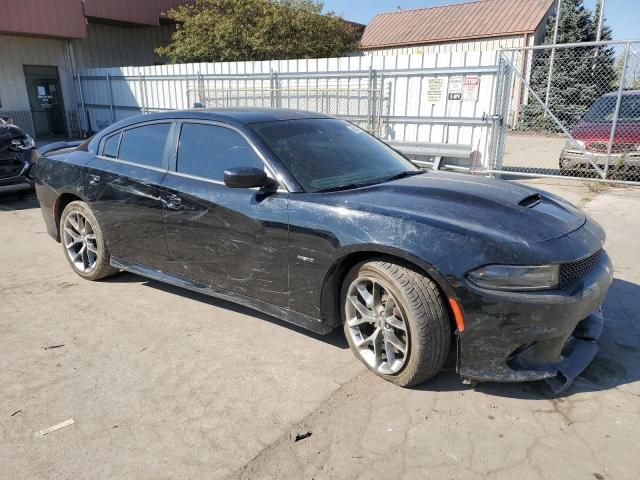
(45, 98)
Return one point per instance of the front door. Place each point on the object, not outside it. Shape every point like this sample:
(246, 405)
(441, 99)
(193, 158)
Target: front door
(45, 98)
(230, 238)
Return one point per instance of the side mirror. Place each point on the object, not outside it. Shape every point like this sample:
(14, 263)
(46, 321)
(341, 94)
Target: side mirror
(245, 177)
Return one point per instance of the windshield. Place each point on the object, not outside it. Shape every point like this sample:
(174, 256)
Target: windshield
(604, 109)
(330, 154)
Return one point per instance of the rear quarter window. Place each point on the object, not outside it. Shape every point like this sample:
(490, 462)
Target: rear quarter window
(110, 146)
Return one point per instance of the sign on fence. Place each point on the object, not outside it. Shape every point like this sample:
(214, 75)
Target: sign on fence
(455, 88)
(471, 88)
(434, 90)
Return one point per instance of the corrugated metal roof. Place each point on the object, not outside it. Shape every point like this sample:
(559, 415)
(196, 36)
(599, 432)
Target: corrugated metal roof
(464, 21)
(66, 18)
(62, 18)
(143, 12)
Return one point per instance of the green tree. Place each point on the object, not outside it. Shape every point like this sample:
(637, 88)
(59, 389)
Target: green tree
(580, 74)
(242, 30)
(632, 73)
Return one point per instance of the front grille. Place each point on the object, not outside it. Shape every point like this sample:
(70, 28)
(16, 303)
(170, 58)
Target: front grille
(570, 272)
(602, 147)
(10, 168)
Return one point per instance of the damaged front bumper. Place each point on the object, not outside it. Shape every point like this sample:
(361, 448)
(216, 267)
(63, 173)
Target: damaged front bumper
(519, 337)
(571, 159)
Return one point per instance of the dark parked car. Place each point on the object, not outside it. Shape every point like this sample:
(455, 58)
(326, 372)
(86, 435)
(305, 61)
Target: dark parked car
(313, 220)
(593, 133)
(17, 152)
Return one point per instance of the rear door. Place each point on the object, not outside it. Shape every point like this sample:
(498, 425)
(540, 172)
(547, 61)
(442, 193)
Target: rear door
(231, 238)
(123, 187)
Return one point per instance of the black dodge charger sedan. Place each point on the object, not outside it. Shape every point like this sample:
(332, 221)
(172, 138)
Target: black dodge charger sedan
(309, 218)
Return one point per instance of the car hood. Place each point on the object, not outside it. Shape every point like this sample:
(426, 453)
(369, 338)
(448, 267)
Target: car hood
(471, 206)
(600, 132)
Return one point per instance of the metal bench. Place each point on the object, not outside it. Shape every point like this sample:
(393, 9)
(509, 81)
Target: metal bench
(437, 151)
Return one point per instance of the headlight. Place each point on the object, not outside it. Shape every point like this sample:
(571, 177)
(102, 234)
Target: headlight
(573, 144)
(515, 277)
(22, 144)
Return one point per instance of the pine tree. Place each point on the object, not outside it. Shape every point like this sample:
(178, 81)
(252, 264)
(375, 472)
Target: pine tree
(580, 75)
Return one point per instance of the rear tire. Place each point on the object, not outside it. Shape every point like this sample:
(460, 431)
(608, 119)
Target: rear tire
(83, 243)
(407, 311)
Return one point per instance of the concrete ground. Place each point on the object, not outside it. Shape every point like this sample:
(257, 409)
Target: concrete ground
(164, 383)
(531, 152)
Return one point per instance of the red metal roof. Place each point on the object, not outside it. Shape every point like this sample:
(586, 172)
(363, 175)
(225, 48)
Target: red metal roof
(143, 12)
(480, 19)
(66, 18)
(46, 18)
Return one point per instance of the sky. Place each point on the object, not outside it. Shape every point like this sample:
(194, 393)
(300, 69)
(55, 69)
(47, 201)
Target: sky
(622, 15)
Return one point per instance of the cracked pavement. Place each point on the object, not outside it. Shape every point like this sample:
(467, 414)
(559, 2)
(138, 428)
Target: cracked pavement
(165, 383)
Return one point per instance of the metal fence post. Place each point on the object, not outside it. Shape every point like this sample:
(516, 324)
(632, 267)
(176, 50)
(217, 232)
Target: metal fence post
(111, 105)
(271, 88)
(380, 92)
(370, 100)
(616, 112)
(85, 122)
(553, 52)
(143, 93)
(200, 84)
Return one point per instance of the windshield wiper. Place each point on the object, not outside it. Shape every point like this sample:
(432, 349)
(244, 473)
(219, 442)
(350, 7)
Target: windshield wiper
(398, 176)
(348, 186)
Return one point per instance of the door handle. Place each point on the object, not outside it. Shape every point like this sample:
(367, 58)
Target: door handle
(94, 179)
(173, 202)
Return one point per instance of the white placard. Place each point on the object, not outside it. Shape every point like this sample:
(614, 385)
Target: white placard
(455, 88)
(434, 90)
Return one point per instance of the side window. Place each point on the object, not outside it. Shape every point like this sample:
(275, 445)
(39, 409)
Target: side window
(110, 148)
(144, 145)
(207, 151)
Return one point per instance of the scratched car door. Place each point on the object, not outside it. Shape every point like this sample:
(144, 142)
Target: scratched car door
(229, 238)
(123, 190)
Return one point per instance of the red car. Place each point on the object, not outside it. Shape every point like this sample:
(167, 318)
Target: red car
(593, 134)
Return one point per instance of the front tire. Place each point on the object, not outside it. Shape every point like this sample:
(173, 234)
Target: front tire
(395, 321)
(83, 243)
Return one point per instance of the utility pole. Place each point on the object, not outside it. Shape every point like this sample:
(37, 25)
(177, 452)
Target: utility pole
(553, 52)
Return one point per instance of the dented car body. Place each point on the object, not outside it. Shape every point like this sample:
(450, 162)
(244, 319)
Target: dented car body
(17, 154)
(285, 248)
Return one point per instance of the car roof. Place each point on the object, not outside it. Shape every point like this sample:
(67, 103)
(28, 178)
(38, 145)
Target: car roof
(238, 116)
(232, 115)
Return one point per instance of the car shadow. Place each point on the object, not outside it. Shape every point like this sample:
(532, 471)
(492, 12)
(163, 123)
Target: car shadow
(335, 338)
(617, 362)
(18, 200)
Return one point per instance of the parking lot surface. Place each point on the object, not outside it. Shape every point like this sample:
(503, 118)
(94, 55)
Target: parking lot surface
(165, 383)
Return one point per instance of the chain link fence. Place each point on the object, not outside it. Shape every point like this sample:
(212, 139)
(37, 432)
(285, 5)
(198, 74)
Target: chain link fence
(571, 110)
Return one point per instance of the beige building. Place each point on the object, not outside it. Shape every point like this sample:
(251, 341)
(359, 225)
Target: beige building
(484, 25)
(44, 42)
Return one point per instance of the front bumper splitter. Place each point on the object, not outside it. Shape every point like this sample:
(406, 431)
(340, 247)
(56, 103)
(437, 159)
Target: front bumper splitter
(578, 353)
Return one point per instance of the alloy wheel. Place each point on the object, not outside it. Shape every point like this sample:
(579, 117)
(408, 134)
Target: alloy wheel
(80, 242)
(377, 325)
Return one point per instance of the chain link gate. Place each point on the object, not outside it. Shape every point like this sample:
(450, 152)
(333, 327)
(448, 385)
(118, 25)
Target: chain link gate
(362, 106)
(570, 110)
